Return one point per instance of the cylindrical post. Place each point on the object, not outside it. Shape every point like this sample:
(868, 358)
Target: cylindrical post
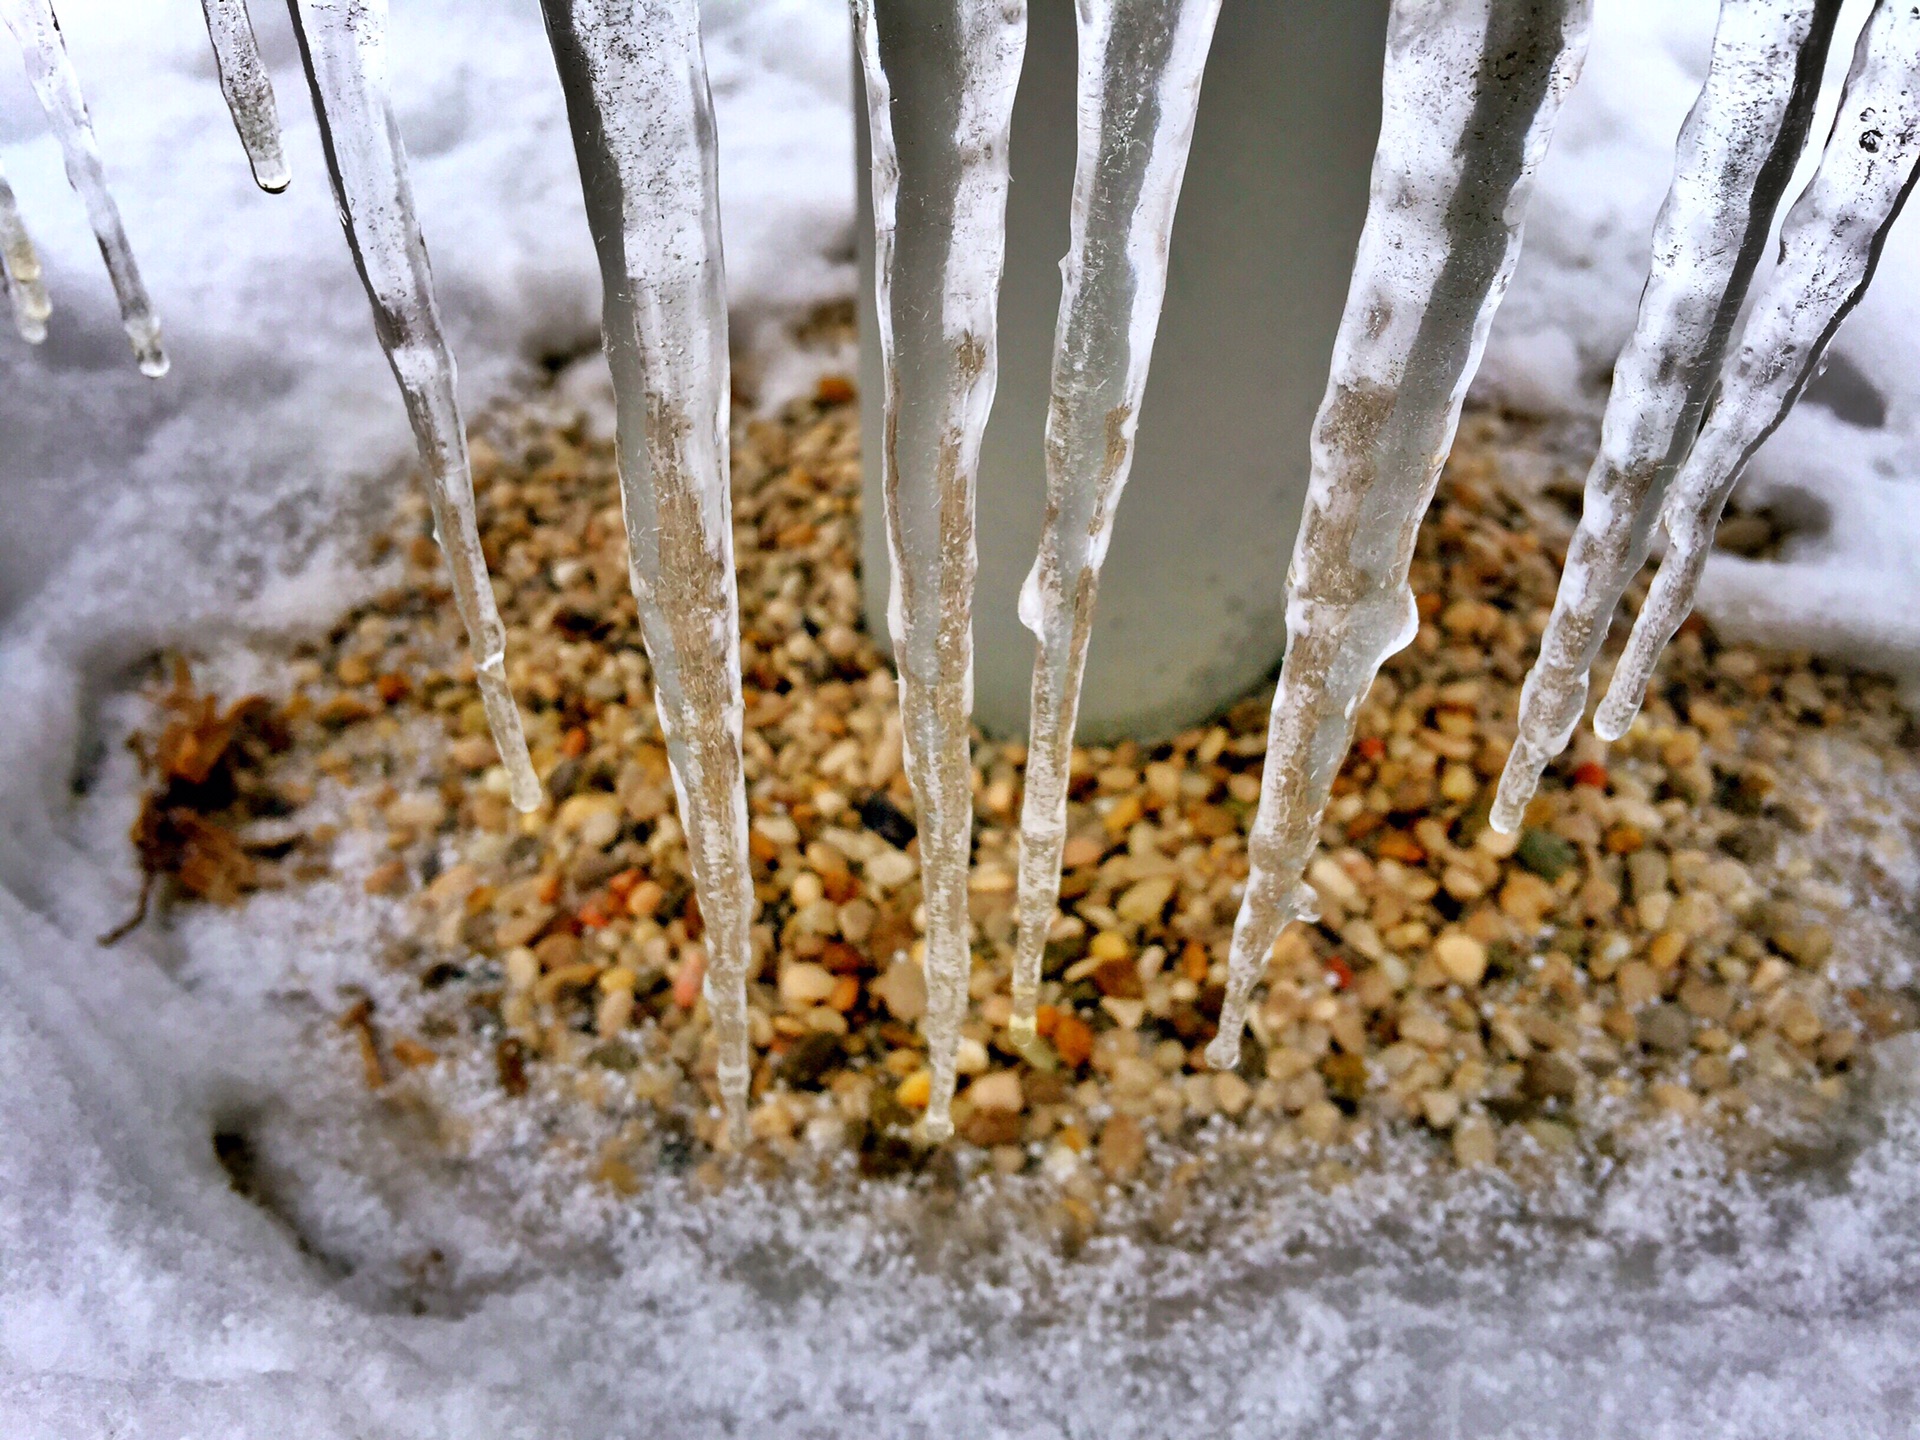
(1192, 599)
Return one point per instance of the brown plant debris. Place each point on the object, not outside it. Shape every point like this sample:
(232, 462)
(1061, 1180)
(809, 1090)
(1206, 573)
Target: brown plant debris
(211, 817)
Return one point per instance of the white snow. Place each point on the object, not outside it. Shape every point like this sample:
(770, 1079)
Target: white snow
(139, 1296)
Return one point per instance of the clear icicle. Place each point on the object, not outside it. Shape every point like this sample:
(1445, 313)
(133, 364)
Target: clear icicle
(939, 205)
(1468, 101)
(26, 292)
(1736, 154)
(249, 91)
(1139, 89)
(51, 72)
(1828, 250)
(343, 43)
(642, 122)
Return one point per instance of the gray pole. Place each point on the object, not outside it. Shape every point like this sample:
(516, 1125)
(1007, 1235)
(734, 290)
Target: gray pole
(1191, 611)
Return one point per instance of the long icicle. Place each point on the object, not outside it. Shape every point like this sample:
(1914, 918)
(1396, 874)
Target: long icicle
(1141, 63)
(1829, 248)
(1736, 154)
(249, 91)
(343, 44)
(939, 207)
(642, 122)
(51, 72)
(1468, 102)
(26, 290)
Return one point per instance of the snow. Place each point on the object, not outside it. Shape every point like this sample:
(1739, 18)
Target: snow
(140, 1296)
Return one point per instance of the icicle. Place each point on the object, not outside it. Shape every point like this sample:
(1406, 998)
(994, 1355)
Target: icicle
(37, 30)
(1139, 88)
(939, 205)
(249, 91)
(1828, 250)
(21, 262)
(642, 122)
(1468, 102)
(1736, 153)
(343, 43)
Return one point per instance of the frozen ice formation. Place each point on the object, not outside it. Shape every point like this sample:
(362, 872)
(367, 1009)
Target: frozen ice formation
(20, 266)
(1736, 154)
(939, 207)
(1828, 250)
(641, 115)
(51, 72)
(1468, 102)
(343, 43)
(249, 90)
(1140, 66)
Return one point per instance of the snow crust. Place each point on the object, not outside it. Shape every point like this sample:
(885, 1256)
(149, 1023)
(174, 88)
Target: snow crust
(141, 1296)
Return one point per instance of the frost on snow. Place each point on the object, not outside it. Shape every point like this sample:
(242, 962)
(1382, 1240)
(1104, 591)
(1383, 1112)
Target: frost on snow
(642, 121)
(1468, 102)
(249, 90)
(1829, 248)
(343, 44)
(1139, 88)
(1736, 153)
(51, 72)
(939, 208)
(20, 267)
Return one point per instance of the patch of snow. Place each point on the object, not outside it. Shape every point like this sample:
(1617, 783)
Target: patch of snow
(141, 1296)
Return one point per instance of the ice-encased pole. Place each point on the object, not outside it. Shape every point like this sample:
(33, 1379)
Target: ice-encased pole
(1829, 248)
(1140, 66)
(55, 82)
(343, 44)
(939, 210)
(1469, 98)
(1736, 153)
(249, 91)
(642, 119)
(20, 262)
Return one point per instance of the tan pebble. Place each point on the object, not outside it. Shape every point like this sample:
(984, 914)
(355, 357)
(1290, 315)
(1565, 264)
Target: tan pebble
(523, 968)
(856, 921)
(970, 1057)
(1475, 1142)
(615, 1009)
(1230, 1093)
(1440, 1107)
(1637, 983)
(771, 1120)
(890, 869)
(1675, 1098)
(1712, 1072)
(903, 990)
(619, 977)
(1461, 956)
(1081, 850)
(1127, 1014)
(387, 879)
(1123, 1147)
(1321, 1122)
(803, 983)
(1424, 1028)
(1142, 902)
(998, 1091)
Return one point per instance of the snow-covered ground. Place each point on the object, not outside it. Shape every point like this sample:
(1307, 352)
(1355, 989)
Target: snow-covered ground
(140, 1296)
